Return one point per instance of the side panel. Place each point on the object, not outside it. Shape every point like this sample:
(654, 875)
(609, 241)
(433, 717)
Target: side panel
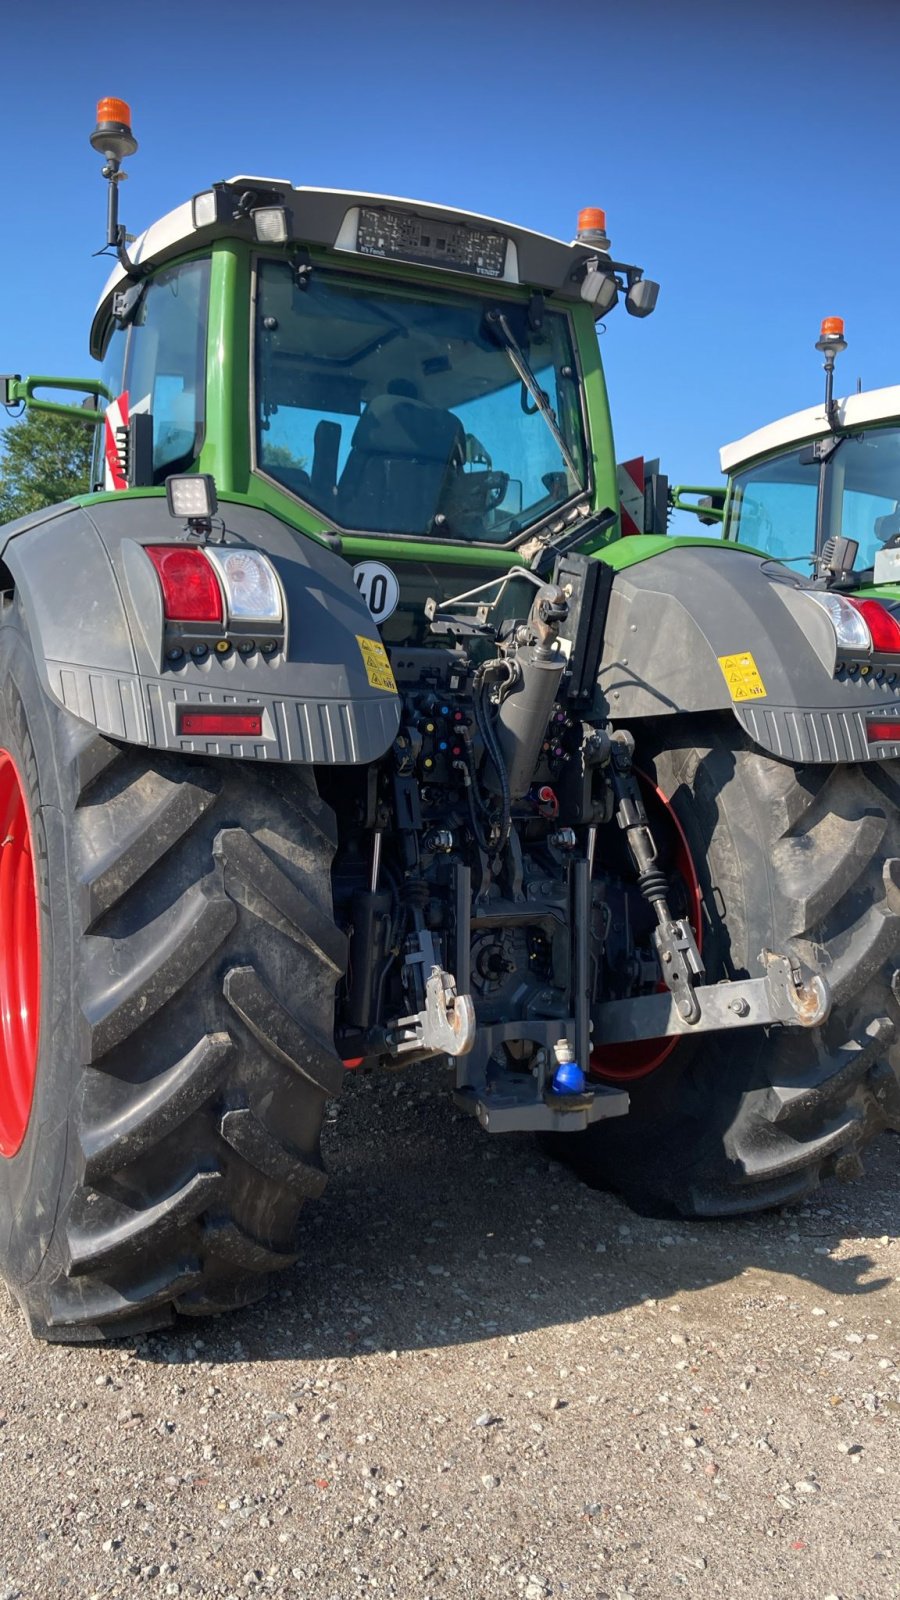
(674, 622)
(95, 616)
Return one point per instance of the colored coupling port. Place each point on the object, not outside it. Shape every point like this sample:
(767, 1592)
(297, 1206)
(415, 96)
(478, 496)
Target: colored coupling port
(568, 1077)
(544, 798)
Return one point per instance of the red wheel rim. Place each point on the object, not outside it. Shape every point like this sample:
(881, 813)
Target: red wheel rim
(623, 1063)
(20, 960)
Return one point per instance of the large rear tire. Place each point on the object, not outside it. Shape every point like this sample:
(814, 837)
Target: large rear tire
(188, 960)
(803, 862)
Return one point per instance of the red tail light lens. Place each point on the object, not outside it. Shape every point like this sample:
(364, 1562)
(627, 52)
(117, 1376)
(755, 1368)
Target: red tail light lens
(190, 587)
(882, 625)
(883, 732)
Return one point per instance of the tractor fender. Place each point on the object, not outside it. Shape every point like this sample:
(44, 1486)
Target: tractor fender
(93, 607)
(704, 628)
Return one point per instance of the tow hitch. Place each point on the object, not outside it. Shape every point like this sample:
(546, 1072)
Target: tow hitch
(788, 994)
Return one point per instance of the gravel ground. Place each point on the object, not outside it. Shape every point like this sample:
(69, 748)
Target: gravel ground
(487, 1381)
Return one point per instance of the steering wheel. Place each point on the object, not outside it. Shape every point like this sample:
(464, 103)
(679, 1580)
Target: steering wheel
(494, 485)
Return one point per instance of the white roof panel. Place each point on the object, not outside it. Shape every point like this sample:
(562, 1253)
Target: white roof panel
(853, 411)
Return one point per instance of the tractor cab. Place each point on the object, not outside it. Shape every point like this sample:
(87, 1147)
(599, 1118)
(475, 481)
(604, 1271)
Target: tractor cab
(390, 377)
(397, 377)
(818, 490)
(796, 488)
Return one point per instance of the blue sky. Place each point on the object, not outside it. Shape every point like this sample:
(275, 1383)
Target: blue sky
(745, 155)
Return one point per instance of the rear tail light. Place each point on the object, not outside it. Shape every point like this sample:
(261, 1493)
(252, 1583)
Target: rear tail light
(191, 591)
(882, 625)
(883, 732)
(847, 619)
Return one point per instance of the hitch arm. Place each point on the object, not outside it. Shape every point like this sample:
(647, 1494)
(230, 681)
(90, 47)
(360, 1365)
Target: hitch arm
(788, 996)
(679, 959)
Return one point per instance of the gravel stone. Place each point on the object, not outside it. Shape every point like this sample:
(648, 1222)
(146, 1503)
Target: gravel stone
(666, 1414)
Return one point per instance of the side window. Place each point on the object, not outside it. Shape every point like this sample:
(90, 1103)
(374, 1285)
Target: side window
(773, 507)
(165, 371)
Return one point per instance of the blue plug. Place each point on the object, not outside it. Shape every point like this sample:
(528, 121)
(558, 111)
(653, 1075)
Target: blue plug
(569, 1079)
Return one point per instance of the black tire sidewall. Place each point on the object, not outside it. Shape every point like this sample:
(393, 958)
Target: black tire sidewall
(680, 1114)
(35, 1182)
(727, 840)
(730, 845)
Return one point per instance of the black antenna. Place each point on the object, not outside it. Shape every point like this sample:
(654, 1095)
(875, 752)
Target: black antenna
(114, 140)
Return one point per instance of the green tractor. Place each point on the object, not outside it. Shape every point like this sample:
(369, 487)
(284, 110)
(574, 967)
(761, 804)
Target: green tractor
(340, 729)
(820, 490)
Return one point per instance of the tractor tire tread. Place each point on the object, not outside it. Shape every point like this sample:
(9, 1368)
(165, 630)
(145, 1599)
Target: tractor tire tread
(205, 961)
(739, 1123)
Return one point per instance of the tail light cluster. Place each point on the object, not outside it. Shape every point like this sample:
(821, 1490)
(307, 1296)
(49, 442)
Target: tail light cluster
(218, 600)
(862, 627)
(218, 585)
(866, 630)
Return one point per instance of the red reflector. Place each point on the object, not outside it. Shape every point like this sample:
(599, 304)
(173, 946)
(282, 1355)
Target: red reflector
(353, 1062)
(882, 625)
(190, 587)
(229, 722)
(883, 732)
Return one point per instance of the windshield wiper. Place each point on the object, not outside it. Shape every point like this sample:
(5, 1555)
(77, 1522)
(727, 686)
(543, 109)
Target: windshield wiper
(497, 323)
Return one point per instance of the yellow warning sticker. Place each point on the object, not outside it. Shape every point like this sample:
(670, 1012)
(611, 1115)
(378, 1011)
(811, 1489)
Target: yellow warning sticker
(742, 677)
(377, 665)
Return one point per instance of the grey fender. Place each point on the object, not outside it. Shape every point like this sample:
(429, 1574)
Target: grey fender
(674, 620)
(93, 608)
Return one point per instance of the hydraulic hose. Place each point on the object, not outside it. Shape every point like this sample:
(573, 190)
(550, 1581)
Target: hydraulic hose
(491, 743)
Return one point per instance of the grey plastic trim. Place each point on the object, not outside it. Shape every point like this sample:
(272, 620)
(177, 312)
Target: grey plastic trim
(93, 610)
(670, 620)
(801, 735)
(144, 711)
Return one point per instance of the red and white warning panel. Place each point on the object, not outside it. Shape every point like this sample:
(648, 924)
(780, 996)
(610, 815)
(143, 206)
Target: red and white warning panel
(643, 496)
(630, 483)
(115, 433)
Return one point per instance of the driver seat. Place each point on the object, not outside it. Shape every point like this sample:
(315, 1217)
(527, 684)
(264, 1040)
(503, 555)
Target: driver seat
(887, 529)
(401, 456)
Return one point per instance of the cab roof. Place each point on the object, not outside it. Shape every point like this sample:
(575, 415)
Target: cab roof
(331, 218)
(853, 411)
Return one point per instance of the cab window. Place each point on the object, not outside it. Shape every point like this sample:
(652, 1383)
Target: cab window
(159, 361)
(773, 507)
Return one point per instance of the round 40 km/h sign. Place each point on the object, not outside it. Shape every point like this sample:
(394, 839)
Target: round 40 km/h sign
(379, 588)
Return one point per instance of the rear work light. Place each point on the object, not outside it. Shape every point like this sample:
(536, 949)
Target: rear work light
(191, 591)
(882, 625)
(227, 722)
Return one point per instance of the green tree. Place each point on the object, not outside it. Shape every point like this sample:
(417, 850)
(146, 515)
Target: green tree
(44, 458)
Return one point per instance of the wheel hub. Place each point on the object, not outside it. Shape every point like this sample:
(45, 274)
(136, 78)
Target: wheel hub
(20, 960)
